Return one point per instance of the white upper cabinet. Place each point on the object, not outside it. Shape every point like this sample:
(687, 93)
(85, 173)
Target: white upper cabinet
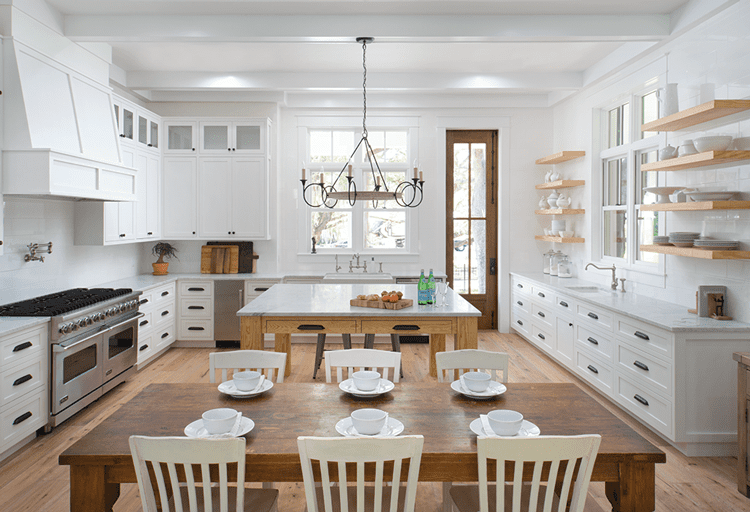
(233, 137)
(181, 138)
(148, 218)
(136, 125)
(179, 197)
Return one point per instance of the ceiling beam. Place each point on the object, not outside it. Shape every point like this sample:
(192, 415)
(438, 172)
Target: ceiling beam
(344, 28)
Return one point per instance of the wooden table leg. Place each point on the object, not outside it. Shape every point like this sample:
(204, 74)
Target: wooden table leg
(466, 333)
(251, 333)
(283, 343)
(88, 490)
(437, 344)
(635, 492)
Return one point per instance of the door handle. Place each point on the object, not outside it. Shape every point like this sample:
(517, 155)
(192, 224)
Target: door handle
(493, 266)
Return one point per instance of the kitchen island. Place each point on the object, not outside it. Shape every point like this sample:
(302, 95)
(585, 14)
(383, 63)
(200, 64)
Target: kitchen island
(286, 309)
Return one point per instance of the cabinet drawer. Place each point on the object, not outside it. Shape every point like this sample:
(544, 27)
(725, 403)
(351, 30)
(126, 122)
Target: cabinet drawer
(312, 326)
(24, 345)
(565, 305)
(542, 315)
(653, 410)
(157, 295)
(543, 295)
(196, 289)
(602, 318)
(146, 347)
(521, 285)
(648, 371)
(598, 343)
(163, 337)
(407, 326)
(255, 288)
(542, 335)
(145, 323)
(196, 329)
(22, 379)
(597, 373)
(520, 323)
(521, 302)
(196, 308)
(22, 418)
(164, 313)
(646, 337)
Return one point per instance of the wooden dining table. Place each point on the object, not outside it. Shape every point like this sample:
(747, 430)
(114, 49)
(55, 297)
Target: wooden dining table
(100, 461)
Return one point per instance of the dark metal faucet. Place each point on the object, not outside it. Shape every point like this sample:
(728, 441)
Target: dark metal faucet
(612, 268)
(313, 246)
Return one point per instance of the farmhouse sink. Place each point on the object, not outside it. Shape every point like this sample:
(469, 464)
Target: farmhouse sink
(358, 278)
(581, 288)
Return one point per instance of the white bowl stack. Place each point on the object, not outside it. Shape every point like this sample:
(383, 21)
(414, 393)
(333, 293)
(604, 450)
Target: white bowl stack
(662, 240)
(683, 238)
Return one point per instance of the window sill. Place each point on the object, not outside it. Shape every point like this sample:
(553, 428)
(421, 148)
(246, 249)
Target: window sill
(325, 257)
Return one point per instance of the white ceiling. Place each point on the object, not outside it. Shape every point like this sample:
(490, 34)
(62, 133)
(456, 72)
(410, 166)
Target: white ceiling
(500, 46)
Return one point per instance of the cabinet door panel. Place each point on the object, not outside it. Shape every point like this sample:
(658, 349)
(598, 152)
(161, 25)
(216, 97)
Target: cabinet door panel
(215, 196)
(215, 137)
(249, 197)
(180, 198)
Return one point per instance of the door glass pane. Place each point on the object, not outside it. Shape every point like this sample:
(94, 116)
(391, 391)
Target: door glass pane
(477, 256)
(386, 229)
(248, 137)
(180, 137)
(332, 229)
(648, 227)
(142, 130)
(127, 124)
(461, 267)
(154, 134)
(461, 180)
(478, 180)
(215, 137)
(615, 233)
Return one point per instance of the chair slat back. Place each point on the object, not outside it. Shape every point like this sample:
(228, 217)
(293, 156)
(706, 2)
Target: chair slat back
(359, 451)
(180, 454)
(239, 360)
(471, 360)
(536, 451)
(360, 358)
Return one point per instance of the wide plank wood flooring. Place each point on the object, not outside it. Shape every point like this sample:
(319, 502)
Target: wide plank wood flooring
(31, 479)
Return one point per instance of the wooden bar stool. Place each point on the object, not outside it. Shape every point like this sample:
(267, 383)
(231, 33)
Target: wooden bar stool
(369, 343)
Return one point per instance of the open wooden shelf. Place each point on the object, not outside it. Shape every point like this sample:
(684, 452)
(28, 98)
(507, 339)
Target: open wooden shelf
(562, 156)
(696, 206)
(561, 184)
(693, 252)
(560, 211)
(696, 115)
(571, 240)
(697, 160)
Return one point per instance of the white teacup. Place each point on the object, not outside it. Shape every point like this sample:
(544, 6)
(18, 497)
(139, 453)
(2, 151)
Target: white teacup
(246, 381)
(366, 380)
(368, 421)
(476, 381)
(505, 422)
(219, 421)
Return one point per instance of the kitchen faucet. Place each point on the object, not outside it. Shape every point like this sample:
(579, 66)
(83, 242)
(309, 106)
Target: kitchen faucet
(614, 277)
(352, 267)
(337, 264)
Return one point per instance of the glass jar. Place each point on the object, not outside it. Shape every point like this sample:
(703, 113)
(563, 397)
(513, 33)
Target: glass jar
(547, 255)
(564, 267)
(553, 263)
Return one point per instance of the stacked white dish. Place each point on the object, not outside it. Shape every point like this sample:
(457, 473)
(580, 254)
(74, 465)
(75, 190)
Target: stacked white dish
(717, 245)
(662, 240)
(683, 238)
(715, 195)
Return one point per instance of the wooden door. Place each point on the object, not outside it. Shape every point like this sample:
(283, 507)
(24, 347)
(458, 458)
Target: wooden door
(471, 219)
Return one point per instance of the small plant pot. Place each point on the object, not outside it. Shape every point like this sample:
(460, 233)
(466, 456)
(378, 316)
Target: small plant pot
(160, 269)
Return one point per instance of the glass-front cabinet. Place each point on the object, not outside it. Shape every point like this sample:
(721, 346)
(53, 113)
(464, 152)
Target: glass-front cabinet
(182, 137)
(246, 137)
(136, 125)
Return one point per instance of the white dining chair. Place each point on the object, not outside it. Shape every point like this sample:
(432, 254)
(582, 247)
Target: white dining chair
(171, 455)
(386, 495)
(360, 358)
(560, 453)
(237, 360)
(471, 360)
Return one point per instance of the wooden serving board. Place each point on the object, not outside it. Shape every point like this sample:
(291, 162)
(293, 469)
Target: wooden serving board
(379, 304)
(219, 259)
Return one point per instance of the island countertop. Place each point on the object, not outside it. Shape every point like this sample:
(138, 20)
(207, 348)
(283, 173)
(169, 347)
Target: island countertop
(333, 300)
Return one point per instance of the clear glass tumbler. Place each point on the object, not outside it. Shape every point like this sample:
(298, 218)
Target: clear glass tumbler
(442, 289)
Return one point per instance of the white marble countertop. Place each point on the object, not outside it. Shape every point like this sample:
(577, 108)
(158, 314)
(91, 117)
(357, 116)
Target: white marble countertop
(665, 315)
(11, 324)
(333, 300)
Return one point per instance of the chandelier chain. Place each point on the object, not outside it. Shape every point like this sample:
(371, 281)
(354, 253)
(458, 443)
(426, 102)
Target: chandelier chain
(364, 88)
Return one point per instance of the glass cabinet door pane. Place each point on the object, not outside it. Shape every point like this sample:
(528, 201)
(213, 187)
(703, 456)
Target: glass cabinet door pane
(247, 137)
(142, 130)
(215, 137)
(127, 124)
(154, 134)
(180, 137)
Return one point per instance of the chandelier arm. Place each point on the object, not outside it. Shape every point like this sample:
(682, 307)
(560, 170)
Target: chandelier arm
(347, 162)
(373, 159)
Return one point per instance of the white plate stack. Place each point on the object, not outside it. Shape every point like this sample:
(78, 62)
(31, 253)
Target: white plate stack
(662, 240)
(683, 238)
(717, 245)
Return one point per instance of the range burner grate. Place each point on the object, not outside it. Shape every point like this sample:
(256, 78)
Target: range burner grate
(59, 303)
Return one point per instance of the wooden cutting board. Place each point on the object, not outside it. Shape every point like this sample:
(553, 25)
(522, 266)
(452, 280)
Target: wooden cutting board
(219, 259)
(379, 304)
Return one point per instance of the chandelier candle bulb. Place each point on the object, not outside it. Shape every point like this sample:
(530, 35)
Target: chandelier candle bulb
(350, 170)
(420, 176)
(416, 171)
(377, 181)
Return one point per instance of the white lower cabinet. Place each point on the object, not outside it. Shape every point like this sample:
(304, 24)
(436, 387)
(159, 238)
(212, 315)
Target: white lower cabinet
(254, 288)
(196, 303)
(158, 305)
(648, 406)
(599, 374)
(565, 340)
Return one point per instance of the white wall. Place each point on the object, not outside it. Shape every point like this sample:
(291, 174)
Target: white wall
(714, 52)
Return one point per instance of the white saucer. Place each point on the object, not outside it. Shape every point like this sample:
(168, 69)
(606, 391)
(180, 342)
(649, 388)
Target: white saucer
(383, 387)
(228, 388)
(392, 428)
(528, 429)
(195, 429)
(493, 390)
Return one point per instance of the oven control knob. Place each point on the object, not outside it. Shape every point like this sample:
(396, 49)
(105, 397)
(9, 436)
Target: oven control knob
(115, 310)
(100, 316)
(87, 321)
(64, 328)
(109, 312)
(73, 326)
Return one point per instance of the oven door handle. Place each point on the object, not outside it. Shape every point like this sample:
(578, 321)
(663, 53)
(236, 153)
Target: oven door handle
(65, 346)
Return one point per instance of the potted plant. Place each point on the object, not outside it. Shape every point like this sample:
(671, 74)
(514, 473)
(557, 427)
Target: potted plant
(163, 250)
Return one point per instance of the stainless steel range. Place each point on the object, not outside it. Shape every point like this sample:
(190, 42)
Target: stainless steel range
(93, 343)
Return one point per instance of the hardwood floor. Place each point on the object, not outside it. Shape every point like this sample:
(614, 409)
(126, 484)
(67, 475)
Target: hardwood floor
(31, 479)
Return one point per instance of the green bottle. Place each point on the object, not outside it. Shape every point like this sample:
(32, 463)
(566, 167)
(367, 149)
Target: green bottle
(422, 289)
(430, 288)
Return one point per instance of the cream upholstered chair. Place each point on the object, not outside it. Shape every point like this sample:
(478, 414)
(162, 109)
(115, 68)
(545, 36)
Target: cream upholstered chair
(386, 495)
(470, 360)
(273, 362)
(358, 358)
(560, 452)
(167, 454)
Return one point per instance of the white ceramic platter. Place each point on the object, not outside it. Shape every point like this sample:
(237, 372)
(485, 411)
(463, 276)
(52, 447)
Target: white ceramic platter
(392, 428)
(528, 429)
(228, 388)
(384, 386)
(196, 429)
(493, 390)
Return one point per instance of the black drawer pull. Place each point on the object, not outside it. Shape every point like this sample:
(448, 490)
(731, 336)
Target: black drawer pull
(640, 335)
(563, 304)
(165, 313)
(592, 340)
(593, 315)
(261, 289)
(540, 314)
(196, 289)
(164, 294)
(144, 301)
(143, 323)
(150, 233)
(519, 285)
(196, 307)
(519, 322)
(196, 329)
(592, 368)
(308, 327)
(164, 335)
(144, 347)
(641, 399)
(541, 335)
(640, 365)
(21, 380)
(22, 418)
(22, 346)
(519, 303)
(405, 327)
(541, 294)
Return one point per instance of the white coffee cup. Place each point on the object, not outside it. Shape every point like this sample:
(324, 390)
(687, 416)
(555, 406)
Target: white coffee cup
(246, 381)
(477, 381)
(366, 380)
(368, 421)
(505, 422)
(219, 421)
